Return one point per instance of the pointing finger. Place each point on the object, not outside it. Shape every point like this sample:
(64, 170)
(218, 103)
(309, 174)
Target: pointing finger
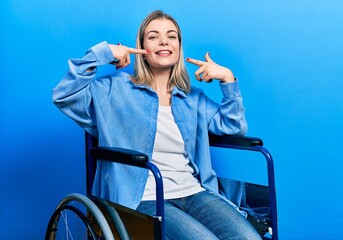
(196, 62)
(138, 51)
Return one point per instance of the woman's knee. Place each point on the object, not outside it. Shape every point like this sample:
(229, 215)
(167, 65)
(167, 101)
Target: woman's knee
(180, 225)
(221, 218)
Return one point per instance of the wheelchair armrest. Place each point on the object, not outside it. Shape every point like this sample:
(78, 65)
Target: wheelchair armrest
(237, 140)
(119, 155)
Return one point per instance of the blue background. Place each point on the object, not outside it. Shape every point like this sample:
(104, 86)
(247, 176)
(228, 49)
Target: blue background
(286, 54)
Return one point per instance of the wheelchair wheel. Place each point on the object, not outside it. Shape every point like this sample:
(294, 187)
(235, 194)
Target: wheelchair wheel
(114, 220)
(77, 217)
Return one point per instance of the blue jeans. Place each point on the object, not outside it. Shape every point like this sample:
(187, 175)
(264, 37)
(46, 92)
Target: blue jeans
(201, 216)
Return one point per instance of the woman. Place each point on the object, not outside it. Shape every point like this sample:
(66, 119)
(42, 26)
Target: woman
(157, 112)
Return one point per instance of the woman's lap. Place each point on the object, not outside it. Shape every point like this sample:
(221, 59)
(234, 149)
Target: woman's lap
(202, 216)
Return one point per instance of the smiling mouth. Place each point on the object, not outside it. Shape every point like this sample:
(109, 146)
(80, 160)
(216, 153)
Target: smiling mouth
(164, 53)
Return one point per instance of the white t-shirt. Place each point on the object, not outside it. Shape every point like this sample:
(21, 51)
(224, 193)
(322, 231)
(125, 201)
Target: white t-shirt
(170, 157)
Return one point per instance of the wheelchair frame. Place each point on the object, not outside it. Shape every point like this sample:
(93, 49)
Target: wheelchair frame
(256, 145)
(134, 158)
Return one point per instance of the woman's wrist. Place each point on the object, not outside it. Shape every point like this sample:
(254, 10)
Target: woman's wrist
(229, 78)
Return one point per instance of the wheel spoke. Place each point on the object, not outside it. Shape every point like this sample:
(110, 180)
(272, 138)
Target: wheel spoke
(67, 229)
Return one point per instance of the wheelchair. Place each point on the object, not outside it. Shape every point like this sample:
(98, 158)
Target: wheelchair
(89, 217)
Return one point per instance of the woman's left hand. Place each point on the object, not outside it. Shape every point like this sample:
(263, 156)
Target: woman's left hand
(209, 70)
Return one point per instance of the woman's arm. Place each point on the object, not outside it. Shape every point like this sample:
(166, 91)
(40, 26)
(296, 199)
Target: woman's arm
(229, 116)
(72, 95)
(209, 70)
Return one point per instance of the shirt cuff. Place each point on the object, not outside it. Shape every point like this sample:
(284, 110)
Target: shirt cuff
(103, 53)
(230, 89)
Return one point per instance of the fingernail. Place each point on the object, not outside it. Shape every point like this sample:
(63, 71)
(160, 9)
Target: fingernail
(148, 51)
(187, 59)
(119, 44)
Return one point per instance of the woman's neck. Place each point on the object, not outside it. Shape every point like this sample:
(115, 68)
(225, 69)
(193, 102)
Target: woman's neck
(161, 82)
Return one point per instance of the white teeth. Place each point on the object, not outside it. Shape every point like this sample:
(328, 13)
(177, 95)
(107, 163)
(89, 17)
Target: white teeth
(163, 52)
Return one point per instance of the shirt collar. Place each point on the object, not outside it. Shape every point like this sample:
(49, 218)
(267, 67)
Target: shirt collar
(175, 91)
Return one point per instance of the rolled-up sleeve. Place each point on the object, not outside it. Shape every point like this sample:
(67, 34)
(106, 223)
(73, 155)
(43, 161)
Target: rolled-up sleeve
(228, 117)
(72, 95)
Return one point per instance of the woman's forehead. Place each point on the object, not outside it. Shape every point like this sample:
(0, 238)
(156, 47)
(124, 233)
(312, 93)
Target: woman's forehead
(160, 25)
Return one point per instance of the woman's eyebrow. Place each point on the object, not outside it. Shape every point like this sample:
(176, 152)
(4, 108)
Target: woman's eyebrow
(169, 31)
(155, 31)
(152, 31)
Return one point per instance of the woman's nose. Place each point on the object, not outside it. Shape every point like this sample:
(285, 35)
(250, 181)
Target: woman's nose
(163, 41)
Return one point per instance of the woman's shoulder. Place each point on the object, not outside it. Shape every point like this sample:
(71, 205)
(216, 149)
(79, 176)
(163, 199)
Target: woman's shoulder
(118, 75)
(115, 78)
(124, 76)
(196, 91)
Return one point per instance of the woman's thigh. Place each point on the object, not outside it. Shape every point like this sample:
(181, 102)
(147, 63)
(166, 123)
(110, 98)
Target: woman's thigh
(177, 223)
(220, 218)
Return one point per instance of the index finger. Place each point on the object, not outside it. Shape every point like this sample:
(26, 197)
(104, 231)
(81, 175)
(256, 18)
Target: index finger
(196, 62)
(138, 51)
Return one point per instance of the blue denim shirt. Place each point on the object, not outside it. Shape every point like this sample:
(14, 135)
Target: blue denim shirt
(122, 114)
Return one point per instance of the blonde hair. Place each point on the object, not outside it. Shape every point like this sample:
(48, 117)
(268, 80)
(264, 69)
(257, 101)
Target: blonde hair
(142, 73)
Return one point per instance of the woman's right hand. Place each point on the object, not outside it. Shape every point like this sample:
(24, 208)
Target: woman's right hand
(122, 54)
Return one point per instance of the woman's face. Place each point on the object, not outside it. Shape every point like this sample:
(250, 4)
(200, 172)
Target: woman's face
(161, 39)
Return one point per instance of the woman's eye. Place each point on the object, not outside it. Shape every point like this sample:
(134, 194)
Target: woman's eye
(152, 37)
(172, 37)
